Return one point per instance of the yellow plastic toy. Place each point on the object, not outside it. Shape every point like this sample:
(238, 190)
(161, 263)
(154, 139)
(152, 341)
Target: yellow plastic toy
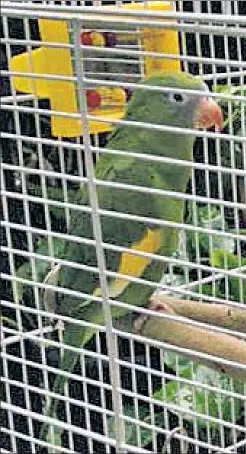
(58, 62)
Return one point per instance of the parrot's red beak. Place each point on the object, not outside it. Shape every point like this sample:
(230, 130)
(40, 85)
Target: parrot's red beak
(209, 114)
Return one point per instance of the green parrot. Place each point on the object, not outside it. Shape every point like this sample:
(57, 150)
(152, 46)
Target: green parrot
(157, 108)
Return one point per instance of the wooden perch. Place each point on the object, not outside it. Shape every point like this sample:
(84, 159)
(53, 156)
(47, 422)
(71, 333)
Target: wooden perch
(213, 314)
(198, 339)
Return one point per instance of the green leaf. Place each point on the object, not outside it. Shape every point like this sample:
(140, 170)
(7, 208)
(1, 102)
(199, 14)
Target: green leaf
(221, 89)
(211, 219)
(54, 437)
(173, 280)
(223, 259)
(8, 321)
(208, 289)
(172, 360)
(203, 402)
(131, 429)
(236, 106)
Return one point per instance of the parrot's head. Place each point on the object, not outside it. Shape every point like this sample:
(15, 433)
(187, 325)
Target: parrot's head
(180, 109)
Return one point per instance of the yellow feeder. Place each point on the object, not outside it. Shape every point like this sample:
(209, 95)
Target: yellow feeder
(55, 62)
(58, 62)
(159, 41)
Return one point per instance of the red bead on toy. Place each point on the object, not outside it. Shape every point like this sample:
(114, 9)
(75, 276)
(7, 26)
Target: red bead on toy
(93, 99)
(110, 39)
(86, 38)
(128, 94)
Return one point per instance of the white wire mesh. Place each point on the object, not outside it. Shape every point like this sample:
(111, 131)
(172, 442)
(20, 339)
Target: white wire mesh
(130, 397)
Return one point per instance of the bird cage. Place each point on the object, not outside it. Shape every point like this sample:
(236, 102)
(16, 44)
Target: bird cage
(96, 209)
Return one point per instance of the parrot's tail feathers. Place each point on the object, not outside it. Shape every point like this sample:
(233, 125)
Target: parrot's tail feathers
(51, 410)
(74, 336)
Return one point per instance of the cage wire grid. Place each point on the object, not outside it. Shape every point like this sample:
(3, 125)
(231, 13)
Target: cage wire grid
(138, 395)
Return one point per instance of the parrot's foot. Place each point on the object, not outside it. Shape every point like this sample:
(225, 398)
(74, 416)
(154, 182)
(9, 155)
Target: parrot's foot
(157, 306)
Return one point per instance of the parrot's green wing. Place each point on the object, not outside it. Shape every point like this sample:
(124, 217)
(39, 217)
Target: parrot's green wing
(130, 234)
(116, 231)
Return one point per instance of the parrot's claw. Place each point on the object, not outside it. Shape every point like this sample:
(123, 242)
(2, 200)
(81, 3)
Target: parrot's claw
(157, 306)
(139, 324)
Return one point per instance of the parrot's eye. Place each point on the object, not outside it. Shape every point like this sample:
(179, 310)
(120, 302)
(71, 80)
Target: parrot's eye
(178, 98)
